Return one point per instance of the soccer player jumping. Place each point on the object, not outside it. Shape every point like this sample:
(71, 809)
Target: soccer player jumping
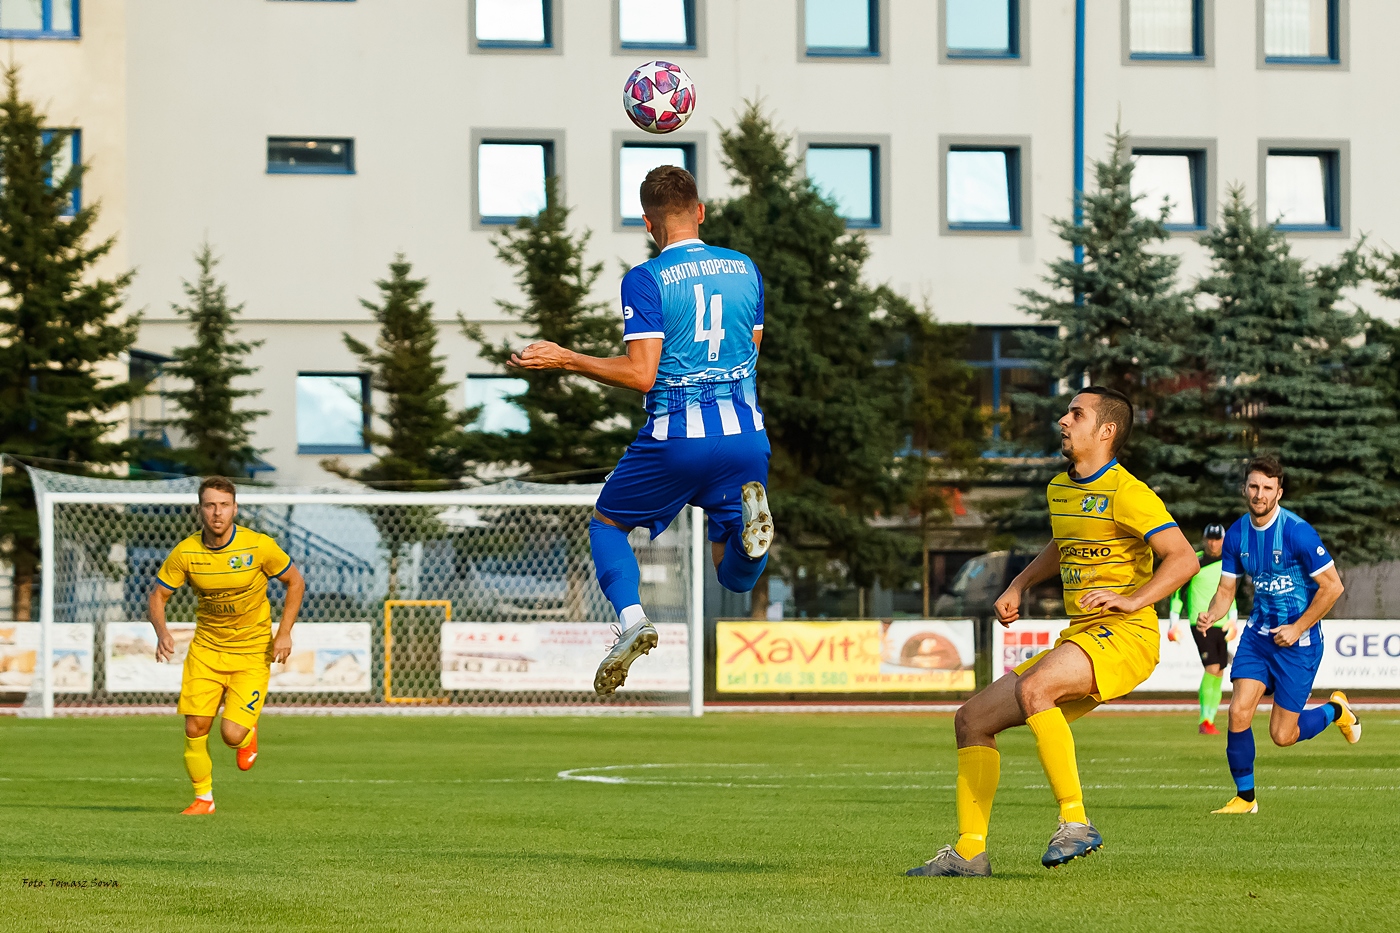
(692, 321)
(1212, 641)
(1106, 525)
(1295, 584)
(233, 649)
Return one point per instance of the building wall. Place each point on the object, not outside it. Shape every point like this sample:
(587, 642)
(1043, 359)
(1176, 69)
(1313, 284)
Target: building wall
(177, 99)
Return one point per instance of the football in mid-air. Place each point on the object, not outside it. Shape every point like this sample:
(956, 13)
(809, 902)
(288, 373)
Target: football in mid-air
(659, 97)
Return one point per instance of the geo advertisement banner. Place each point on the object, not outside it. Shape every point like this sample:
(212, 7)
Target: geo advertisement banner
(556, 656)
(20, 644)
(857, 656)
(326, 657)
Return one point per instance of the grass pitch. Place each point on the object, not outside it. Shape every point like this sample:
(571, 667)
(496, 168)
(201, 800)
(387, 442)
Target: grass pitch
(732, 822)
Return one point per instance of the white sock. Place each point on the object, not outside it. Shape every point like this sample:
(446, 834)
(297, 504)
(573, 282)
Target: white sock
(209, 796)
(631, 615)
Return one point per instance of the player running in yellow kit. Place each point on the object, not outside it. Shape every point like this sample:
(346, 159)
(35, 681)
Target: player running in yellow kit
(1107, 525)
(231, 656)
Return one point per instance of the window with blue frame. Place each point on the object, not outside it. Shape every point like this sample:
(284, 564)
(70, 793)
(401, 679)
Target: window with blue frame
(1166, 29)
(635, 160)
(842, 27)
(656, 24)
(1303, 32)
(294, 155)
(514, 24)
(849, 176)
(1004, 370)
(332, 413)
(1176, 177)
(511, 179)
(982, 28)
(493, 395)
(1302, 189)
(68, 154)
(38, 19)
(983, 188)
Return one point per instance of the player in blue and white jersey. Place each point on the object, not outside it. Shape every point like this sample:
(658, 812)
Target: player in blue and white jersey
(692, 323)
(1295, 584)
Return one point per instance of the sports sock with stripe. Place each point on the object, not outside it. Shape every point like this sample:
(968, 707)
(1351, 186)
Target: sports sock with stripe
(198, 765)
(979, 772)
(1055, 744)
(737, 571)
(1239, 752)
(1212, 686)
(616, 565)
(1312, 721)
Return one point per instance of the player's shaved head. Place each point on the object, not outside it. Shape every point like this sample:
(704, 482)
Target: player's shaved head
(668, 189)
(1112, 407)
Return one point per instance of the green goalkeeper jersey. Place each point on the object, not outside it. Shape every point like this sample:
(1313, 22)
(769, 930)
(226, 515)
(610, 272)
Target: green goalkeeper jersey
(1194, 598)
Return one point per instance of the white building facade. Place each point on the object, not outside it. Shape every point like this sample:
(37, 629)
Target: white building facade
(310, 141)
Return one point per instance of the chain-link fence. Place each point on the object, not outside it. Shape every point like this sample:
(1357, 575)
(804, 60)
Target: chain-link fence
(483, 599)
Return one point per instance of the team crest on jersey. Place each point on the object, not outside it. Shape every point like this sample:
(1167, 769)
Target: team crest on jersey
(1092, 503)
(1278, 557)
(240, 562)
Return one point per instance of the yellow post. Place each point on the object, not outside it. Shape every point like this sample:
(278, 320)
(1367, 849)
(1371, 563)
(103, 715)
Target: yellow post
(389, 605)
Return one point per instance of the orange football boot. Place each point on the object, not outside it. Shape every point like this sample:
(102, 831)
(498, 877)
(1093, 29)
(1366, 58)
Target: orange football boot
(248, 754)
(200, 807)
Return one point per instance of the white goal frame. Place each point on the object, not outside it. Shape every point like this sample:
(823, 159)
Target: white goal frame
(48, 499)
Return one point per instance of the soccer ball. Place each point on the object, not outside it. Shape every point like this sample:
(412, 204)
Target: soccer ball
(659, 97)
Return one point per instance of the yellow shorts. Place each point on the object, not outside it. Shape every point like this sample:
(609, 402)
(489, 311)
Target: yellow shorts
(209, 673)
(1124, 651)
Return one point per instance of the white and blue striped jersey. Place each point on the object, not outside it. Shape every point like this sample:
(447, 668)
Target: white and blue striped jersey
(704, 303)
(1283, 560)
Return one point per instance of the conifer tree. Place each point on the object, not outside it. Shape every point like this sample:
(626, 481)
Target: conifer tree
(834, 416)
(577, 428)
(61, 325)
(215, 432)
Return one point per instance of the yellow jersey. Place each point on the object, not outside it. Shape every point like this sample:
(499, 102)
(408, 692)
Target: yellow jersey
(234, 614)
(1101, 525)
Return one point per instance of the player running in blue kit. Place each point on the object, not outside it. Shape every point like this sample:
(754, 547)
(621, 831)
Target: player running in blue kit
(1295, 584)
(692, 322)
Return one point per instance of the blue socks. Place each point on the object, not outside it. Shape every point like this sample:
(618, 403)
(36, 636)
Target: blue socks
(616, 565)
(1239, 751)
(1312, 721)
(737, 571)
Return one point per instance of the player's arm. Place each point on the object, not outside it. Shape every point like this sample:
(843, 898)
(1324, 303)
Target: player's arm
(1045, 566)
(636, 370)
(296, 589)
(1179, 564)
(1329, 590)
(1221, 603)
(155, 611)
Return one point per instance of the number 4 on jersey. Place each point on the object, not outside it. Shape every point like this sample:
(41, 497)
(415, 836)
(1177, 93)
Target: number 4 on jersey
(714, 334)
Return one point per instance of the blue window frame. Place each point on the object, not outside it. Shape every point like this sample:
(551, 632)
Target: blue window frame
(842, 28)
(983, 188)
(850, 176)
(69, 154)
(310, 155)
(1166, 30)
(1303, 189)
(494, 395)
(511, 177)
(1002, 369)
(333, 411)
(1302, 32)
(634, 161)
(982, 28)
(39, 19)
(656, 24)
(514, 24)
(1179, 176)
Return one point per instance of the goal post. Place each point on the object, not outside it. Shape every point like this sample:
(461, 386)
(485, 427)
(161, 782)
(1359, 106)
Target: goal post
(481, 600)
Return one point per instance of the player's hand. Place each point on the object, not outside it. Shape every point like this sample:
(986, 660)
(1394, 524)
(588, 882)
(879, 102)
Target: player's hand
(1286, 636)
(165, 646)
(1233, 632)
(1204, 621)
(282, 647)
(542, 354)
(1108, 601)
(1008, 606)
(1174, 633)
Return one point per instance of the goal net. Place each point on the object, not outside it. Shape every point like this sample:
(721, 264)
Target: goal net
(479, 600)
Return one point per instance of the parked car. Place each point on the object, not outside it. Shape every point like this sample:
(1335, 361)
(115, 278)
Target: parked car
(980, 581)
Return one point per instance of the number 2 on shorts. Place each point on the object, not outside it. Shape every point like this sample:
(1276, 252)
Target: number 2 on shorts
(253, 703)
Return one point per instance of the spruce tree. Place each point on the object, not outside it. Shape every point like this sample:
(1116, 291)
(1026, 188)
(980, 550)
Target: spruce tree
(834, 415)
(577, 428)
(61, 328)
(214, 432)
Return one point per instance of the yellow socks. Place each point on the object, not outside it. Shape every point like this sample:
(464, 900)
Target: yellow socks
(198, 765)
(1055, 743)
(979, 771)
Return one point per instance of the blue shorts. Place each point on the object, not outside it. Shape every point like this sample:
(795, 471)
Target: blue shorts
(1287, 672)
(655, 479)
